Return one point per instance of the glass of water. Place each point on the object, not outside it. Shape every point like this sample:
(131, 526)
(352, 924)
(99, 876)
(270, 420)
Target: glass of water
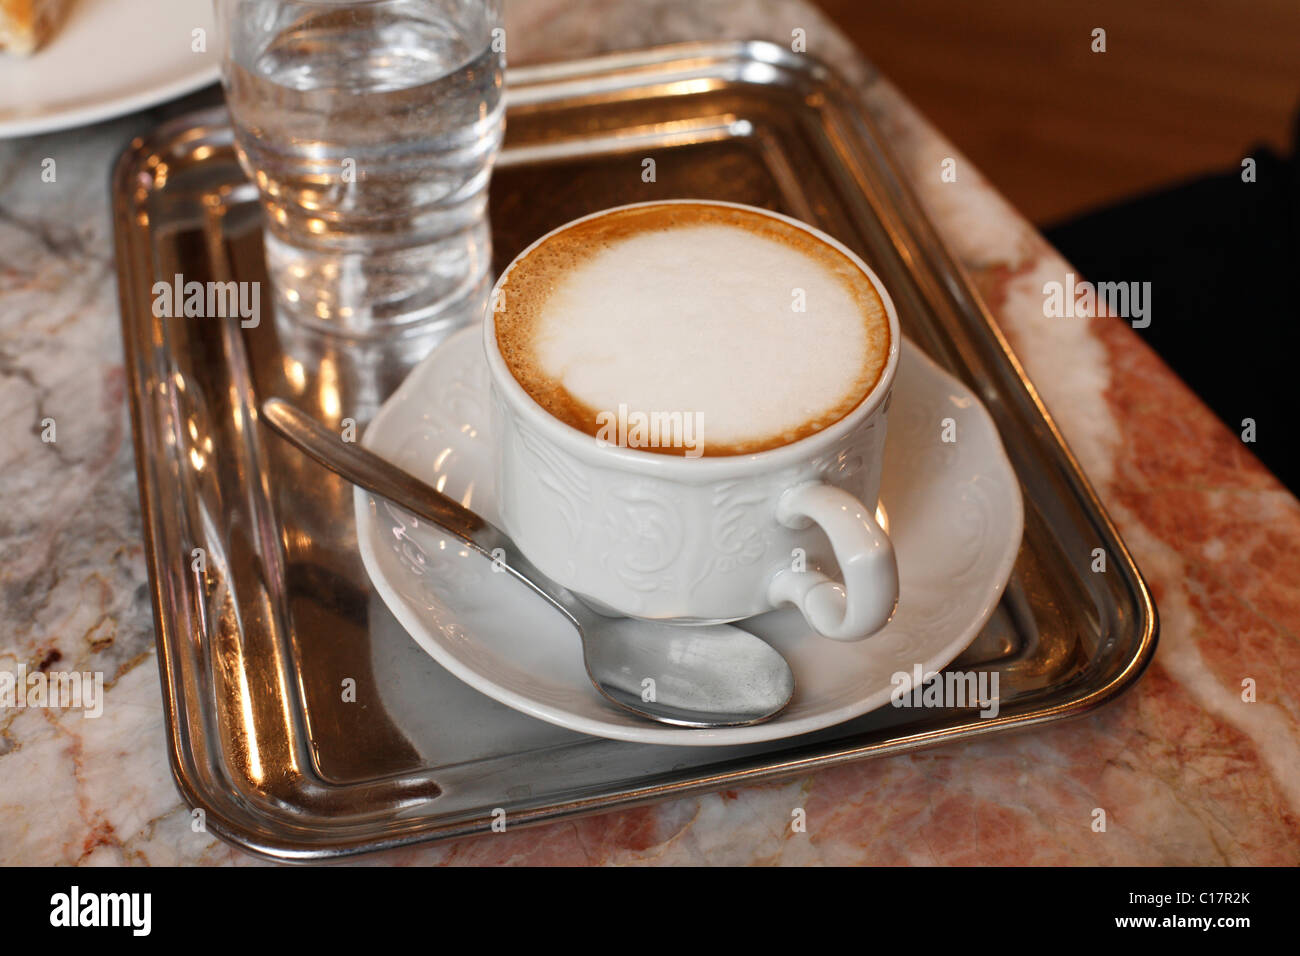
(370, 128)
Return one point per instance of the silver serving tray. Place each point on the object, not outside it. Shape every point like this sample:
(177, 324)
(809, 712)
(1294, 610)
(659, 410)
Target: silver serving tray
(254, 647)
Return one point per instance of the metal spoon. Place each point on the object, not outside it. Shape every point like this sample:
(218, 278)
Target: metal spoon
(705, 676)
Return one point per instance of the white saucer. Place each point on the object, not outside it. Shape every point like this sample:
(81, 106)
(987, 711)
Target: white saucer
(954, 511)
(109, 58)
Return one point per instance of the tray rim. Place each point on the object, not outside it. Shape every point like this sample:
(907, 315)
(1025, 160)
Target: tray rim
(526, 85)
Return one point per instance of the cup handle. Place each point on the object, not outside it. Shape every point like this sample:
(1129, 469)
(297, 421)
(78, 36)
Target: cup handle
(865, 601)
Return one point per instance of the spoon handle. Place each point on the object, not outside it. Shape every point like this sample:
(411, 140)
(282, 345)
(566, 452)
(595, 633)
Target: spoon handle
(367, 470)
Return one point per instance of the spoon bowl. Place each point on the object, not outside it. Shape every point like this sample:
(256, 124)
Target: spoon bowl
(720, 676)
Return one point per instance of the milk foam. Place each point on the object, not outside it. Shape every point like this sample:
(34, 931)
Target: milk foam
(704, 318)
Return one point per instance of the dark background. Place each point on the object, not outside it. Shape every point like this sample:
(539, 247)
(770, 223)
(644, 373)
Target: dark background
(1130, 162)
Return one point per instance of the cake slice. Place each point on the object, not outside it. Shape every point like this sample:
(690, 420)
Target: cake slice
(25, 25)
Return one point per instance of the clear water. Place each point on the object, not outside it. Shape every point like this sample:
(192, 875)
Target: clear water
(371, 132)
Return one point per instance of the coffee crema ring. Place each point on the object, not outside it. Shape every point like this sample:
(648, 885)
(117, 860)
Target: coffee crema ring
(691, 328)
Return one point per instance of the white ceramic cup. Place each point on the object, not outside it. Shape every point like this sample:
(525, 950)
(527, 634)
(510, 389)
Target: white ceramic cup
(706, 539)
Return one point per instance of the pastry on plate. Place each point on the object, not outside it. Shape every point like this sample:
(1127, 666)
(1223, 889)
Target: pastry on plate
(25, 25)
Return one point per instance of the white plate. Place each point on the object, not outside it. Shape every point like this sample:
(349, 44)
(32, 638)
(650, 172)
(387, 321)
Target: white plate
(955, 516)
(109, 58)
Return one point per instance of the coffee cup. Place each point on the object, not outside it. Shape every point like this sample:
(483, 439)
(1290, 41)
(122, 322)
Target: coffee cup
(772, 501)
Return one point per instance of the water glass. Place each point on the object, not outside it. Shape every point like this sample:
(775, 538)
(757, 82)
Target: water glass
(370, 128)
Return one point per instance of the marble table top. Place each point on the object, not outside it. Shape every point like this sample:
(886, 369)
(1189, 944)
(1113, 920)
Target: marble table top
(1187, 770)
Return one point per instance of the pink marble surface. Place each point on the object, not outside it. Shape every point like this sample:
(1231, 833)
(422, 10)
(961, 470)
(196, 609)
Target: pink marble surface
(1187, 771)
